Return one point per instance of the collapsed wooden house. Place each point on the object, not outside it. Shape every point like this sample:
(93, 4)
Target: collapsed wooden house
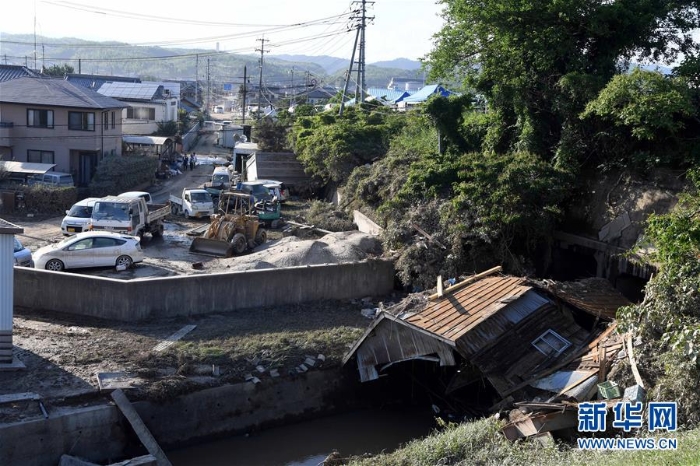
(523, 337)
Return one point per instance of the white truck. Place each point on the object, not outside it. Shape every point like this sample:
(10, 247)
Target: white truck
(194, 202)
(129, 215)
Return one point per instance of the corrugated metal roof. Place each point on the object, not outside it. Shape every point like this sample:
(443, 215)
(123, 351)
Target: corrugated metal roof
(457, 313)
(48, 92)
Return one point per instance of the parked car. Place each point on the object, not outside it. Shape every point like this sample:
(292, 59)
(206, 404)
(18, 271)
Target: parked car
(77, 219)
(55, 179)
(132, 194)
(23, 256)
(90, 249)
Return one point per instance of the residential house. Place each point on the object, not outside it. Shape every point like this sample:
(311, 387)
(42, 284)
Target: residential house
(422, 95)
(145, 104)
(502, 329)
(406, 84)
(386, 97)
(52, 121)
(318, 96)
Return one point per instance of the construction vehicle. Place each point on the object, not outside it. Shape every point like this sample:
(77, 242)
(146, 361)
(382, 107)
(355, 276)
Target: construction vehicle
(233, 230)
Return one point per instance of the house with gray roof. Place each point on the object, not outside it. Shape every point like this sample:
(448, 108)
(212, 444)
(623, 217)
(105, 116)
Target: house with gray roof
(52, 121)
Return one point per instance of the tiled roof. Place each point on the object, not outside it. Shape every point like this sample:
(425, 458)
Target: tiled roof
(8, 72)
(53, 93)
(457, 313)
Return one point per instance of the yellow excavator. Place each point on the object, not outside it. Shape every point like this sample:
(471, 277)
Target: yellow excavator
(234, 229)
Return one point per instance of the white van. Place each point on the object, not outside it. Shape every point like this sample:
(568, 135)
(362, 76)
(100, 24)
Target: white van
(221, 177)
(55, 179)
(77, 219)
(132, 194)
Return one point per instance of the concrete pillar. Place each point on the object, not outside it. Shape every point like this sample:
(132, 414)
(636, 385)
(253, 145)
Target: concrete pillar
(7, 262)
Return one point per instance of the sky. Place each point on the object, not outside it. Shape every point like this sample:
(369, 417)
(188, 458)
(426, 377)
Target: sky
(400, 28)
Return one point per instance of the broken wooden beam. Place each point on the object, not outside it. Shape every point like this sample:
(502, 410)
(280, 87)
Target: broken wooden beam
(633, 363)
(139, 427)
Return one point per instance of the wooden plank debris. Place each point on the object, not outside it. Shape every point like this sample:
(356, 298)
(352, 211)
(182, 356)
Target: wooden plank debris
(140, 428)
(428, 236)
(633, 363)
(170, 341)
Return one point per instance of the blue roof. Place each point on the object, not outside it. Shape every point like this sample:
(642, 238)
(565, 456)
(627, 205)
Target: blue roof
(8, 72)
(388, 95)
(427, 91)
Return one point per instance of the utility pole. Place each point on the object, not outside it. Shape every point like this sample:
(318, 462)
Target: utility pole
(262, 52)
(196, 79)
(245, 90)
(360, 90)
(360, 25)
(208, 87)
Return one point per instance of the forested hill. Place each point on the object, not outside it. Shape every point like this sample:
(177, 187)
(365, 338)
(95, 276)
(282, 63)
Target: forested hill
(121, 59)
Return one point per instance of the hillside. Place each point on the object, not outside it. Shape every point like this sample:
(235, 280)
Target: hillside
(122, 59)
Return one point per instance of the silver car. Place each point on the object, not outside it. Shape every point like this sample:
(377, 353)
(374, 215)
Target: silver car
(23, 256)
(90, 249)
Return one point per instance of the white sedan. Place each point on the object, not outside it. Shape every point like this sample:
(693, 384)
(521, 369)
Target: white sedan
(90, 249)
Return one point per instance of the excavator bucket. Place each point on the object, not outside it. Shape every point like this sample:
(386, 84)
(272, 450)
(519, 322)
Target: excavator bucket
(212, 247)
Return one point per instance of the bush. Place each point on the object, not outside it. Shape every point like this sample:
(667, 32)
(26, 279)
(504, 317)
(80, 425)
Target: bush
(117, 174)
(326, 216)
(48, 200)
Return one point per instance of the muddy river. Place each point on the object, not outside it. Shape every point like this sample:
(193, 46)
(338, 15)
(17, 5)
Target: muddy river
(308, 443)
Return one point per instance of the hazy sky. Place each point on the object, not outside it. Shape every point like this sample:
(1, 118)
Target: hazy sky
(401, 28)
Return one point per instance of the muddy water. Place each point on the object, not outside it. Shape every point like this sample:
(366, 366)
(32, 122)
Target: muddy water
(308, 443)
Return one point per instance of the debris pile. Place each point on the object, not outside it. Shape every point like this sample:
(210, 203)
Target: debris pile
(334, 248)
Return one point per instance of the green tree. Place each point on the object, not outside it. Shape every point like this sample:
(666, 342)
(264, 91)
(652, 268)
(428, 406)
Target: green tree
(270, 135)
(525, 56)
(58, 70)
(642, 120)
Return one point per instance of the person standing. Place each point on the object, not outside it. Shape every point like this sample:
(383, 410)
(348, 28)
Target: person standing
(185, 163)
(193, 160)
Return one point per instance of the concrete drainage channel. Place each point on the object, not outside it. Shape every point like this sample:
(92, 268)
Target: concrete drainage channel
(102, 434)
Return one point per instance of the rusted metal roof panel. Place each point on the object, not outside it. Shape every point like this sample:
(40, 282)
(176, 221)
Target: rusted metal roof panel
(457, 313)
(595, 296)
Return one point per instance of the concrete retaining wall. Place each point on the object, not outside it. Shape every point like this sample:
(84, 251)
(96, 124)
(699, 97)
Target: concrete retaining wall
(101, 433)
(132, 300)
(94, 433)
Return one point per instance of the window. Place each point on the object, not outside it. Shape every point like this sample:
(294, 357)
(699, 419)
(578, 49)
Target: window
(39, 118)
(105, 119)
(107, 242)
(550, 343)
(81, 121)
(113, 120)
(40, 156)
(141, 113)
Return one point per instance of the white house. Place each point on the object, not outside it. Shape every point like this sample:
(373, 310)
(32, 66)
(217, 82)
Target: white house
(147, 104)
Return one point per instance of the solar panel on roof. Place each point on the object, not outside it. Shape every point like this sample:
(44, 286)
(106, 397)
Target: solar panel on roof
(129, 90)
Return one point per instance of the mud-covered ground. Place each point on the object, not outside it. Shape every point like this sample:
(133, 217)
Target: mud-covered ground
(64, 353)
